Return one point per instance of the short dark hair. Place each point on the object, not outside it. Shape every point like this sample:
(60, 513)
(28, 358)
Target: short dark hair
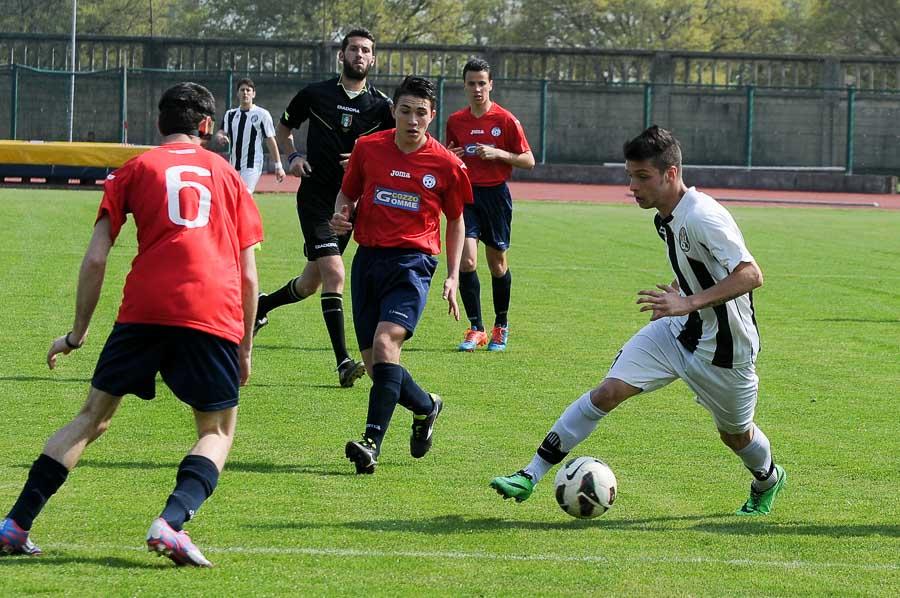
(183, 106)
(418, 87)
(477, 65)
(657, 145)
(357, 32)
(246, 81)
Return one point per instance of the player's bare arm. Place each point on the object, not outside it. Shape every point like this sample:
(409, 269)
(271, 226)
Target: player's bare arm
(524, 160)
(90, 283)
(297, 164)
(276, 157)
(220, 141)
(667, 301)
(453, 241)
(343, 208)
(249, 297)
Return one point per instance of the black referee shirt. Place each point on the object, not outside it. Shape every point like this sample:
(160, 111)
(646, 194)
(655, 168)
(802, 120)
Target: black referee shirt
(335, 122)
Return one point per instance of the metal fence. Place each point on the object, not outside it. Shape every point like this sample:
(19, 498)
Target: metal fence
(304, 59)
(567, 122)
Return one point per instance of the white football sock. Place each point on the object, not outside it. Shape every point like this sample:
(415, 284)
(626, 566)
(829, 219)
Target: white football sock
(574, 425)
(757, 457)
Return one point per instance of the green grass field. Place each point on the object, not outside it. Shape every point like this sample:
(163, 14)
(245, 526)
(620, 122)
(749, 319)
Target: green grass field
(289, 517)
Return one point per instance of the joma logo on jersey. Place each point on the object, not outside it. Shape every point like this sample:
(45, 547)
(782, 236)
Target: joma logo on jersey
(401, 174)
(476, 132)
(397, 199)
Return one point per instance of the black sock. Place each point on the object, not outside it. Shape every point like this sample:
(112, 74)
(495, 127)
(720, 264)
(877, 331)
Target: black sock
(387, 378)
(501, 287)
(197, 478)
(283, 296)
(44, 479)
(413, 397)
(333, 312)
(470, 292)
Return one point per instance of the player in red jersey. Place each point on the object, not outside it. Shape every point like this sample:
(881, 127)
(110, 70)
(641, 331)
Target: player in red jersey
(490, 140)
(398, 183)
(187, 313)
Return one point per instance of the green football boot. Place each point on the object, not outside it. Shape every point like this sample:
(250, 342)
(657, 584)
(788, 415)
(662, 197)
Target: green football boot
(760, 503)
(519, 486)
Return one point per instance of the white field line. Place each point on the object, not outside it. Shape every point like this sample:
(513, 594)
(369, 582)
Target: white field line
(481, 556)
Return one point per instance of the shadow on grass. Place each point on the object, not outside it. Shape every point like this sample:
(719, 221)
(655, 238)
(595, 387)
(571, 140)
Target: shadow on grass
(230, 466)
(49, 559)
(44, 379)
(859, 320)
(756, 527)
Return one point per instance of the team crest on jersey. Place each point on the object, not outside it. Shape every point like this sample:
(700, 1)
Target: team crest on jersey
(429, 181)
(392, 198)
(496, 131)
(254, 119)
(346, 120)
(683, 240)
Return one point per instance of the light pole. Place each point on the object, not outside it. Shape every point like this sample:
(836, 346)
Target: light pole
(72, 76)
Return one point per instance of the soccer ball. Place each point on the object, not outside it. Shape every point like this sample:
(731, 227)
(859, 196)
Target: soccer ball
(585, 487)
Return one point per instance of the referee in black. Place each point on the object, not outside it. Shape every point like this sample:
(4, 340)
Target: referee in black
(339, 111)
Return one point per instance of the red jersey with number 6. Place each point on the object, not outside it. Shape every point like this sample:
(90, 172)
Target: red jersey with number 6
(401, 196)
(497, 128)
(193, 215)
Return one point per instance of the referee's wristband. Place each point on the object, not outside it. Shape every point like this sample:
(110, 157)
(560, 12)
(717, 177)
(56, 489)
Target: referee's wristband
(70, 344)
(293, 156)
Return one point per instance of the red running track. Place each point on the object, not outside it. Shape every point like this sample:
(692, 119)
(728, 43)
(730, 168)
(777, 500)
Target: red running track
(620, 194)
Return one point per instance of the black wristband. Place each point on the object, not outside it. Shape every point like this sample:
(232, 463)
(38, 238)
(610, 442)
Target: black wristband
(70, 344)
(294, 155)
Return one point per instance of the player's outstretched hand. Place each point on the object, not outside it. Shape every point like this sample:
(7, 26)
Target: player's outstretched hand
(449, 295)
(59, 346)
(667, 301)
(459, 151)
(486, 152)
(340, 222)
(279, 172)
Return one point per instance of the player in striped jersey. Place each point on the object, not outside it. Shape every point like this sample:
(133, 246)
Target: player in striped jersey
(702, 328)
(245, 128)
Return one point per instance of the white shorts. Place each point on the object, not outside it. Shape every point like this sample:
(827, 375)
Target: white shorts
(250, 176)
(653, 358)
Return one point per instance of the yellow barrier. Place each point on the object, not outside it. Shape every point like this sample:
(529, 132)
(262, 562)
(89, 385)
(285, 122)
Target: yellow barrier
(60, 153)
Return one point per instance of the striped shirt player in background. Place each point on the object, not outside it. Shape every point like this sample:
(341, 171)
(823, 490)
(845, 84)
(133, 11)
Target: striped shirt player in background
(245, 128)
(702, 328)
(491, 141)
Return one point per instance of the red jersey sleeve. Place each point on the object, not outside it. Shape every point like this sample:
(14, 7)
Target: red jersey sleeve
(353, 183)
(516, 142)
(115, 201)
(249, 222)
(459, 191)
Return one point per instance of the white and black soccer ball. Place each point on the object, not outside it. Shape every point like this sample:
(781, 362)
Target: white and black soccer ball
(585, 487)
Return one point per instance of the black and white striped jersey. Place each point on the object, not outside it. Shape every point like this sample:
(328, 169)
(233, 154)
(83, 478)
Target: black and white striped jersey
(704, 246)
(246, 130)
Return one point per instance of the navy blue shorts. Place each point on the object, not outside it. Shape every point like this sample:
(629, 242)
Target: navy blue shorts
(201, 369)
(388, 285)
(315, 207)
(489, 218)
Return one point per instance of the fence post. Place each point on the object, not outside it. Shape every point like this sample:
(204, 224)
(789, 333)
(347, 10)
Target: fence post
(851, 122)
(545, 84)
(748, 134)
(229, 88)
(14, 101)
(123, 106)
(440, 108)
(648, 104)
